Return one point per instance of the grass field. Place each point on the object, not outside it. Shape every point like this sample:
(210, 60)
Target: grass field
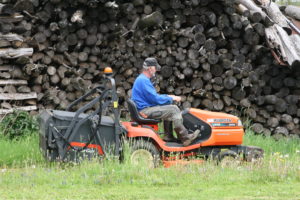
(25, 175)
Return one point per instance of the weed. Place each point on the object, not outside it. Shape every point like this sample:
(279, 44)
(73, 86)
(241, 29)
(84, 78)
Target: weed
(17, 125)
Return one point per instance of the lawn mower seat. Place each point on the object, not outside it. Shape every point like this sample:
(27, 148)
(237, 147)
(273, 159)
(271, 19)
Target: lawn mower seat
(135, 115)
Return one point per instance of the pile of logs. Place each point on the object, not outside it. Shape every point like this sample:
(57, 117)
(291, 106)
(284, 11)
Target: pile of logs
(14, 52)
(212, 52)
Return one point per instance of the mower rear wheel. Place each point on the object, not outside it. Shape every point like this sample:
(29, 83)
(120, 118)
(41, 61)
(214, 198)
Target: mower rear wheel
(144, 153)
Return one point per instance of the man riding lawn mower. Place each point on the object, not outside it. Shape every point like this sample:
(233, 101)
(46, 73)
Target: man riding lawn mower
(157, 106)
(73, 136)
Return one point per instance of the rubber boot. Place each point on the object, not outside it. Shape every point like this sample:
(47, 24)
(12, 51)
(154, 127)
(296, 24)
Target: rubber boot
(184, 135)
(168, 130)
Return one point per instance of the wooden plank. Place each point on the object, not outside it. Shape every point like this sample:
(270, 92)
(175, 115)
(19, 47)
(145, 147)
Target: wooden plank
(13, 82)
(23, 108)
(13, 18)
(11, 37)
(15, 53)
(4, 43)
(18, 96)
(6, 68)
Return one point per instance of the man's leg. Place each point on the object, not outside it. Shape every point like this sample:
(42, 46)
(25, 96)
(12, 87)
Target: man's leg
(165, 112)
(172, 113)
(168, 130)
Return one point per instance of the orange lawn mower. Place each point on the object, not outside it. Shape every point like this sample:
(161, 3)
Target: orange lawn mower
(73, 136)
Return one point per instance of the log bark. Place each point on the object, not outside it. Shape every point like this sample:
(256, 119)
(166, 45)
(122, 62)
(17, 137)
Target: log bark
(243, 10)
(14, 18)
(293, 11)
(11, 37)
(15, 53)
(276, 15)
(230, 82)
(257, 128)
(279, 40)
(23, 89)
(154, 19)
(23, 108)
(6, 9)
(250, 5)
(13, 82)
(18, 96)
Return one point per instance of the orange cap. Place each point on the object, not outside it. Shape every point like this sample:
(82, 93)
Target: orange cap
(108, 70)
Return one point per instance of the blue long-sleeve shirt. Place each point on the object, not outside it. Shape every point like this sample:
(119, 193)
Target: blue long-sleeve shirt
(145, 95)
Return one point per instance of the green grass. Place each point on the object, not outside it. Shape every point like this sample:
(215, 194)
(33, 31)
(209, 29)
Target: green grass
(20, 153)
(285, 146)
(115, 181)
(24, 175)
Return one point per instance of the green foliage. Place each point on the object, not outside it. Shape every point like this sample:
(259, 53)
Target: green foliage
(18, 125)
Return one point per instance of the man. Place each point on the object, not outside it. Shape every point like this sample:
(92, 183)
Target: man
(158, 106)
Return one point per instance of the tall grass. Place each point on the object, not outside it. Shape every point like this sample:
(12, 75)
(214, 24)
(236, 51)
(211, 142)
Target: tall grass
(20, 153)
(286, 146)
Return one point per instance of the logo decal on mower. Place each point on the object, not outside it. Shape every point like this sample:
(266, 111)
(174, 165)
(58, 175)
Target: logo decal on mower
(218, 120)
(223, 124)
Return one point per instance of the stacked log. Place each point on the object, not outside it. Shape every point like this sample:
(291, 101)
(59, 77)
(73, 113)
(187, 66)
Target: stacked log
(212, 54)
(14, 54)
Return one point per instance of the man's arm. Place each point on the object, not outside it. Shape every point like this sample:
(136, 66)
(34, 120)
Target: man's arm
(154, 97)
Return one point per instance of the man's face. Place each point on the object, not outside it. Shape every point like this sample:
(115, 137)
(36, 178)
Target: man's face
(152, 71)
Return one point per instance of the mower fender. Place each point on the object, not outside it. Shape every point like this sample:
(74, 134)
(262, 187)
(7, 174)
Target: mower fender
(138, 132)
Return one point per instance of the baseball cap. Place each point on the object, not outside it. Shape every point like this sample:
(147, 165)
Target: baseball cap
(151, 62)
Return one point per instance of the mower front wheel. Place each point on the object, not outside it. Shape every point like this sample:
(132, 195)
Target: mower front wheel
(228, 158)
(144, 153)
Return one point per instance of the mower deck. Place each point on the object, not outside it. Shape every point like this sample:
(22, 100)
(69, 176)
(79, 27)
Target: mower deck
(170, 163)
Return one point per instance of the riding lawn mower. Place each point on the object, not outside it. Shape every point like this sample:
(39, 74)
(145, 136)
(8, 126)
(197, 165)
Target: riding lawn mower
(68, 136)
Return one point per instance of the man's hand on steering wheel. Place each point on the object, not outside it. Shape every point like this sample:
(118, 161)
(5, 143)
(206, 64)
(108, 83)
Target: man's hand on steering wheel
(175, 98)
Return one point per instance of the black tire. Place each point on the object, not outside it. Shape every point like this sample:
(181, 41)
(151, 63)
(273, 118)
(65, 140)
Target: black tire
(228, 158)
(144, 152)
(254, 154)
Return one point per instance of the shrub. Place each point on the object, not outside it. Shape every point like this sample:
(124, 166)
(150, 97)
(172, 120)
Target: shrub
(17, 125)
